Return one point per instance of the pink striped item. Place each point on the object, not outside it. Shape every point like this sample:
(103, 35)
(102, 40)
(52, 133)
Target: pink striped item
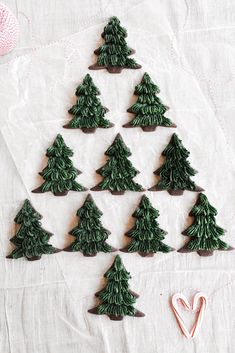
(203, 304)
(9, 30)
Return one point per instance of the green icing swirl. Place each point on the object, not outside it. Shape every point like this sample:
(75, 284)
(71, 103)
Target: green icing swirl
(59, 174)
(88, 111)
(176, 171)
(148, 109)
(116, 297)
(146, 234)
(118, 172)
(204, 233)
(115, 51)
(90, 234)
(31, 240)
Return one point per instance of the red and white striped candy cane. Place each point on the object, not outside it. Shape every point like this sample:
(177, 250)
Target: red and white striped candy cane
(174, 305)
(203, 298)
(203, 304)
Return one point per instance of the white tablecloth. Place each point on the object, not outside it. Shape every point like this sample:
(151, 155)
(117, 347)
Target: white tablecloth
(187, 47)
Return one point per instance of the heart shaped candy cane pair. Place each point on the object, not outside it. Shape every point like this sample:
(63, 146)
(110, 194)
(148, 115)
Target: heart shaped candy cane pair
(203, 304)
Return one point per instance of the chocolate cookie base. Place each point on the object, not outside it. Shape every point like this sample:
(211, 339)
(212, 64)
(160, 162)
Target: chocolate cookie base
(33, 258)
(87, 130)
(113, 69)
(148, 128)
(113, 192)
(39, 191)
(141, 253)
(204, 253)
(177, 192)
(145, 254)
(114, 317)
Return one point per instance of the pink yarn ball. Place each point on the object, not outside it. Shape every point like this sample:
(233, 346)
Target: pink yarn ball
(9, 30)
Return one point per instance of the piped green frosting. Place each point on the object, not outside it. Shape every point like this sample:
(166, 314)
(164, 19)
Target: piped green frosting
(116, 297)
(115, 51)
(59, 174)
(88, 111)
(118, 172)
(148, 109)
(204, 233)
(90, 235)
(176, 171)
(31, 240)
(146, 234)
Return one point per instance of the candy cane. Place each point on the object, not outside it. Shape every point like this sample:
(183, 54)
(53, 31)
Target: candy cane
(203, 298)
(174, 304)
(185, 303)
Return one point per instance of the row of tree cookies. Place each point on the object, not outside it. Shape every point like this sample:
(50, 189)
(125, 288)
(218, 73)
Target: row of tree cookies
(118, 173)
(89, 114)
(31, 240)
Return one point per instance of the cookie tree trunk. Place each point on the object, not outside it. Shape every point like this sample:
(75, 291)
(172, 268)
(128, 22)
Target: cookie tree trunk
(117, 300)
(118, 172)
(146, 234)
(175, 173)
(90, 235)
(149, 110)
(31, 240)
(113, 54)
(204, 233)
(88, 111)
(60, 174)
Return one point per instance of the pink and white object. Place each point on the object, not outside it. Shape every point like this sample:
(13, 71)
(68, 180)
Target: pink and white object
(9, 30)
(203, 304)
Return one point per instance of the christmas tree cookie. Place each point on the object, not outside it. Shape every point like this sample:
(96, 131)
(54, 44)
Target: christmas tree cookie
(149, 110)
(117, 300)
(146, 234)
(59, 174)
(204, 233)
(118, 172)
(176, 171)
(113, 54)
(88, 112)
(31, 240)
(90, 235)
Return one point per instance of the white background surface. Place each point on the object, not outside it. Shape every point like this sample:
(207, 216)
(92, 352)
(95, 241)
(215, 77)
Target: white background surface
(188, 49)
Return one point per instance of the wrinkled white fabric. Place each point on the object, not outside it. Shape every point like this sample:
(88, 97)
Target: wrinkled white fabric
(187, 47)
